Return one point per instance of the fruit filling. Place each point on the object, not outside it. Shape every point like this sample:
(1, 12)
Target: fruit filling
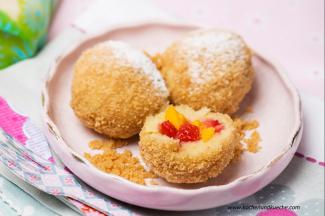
(168, 129)
(178, 127)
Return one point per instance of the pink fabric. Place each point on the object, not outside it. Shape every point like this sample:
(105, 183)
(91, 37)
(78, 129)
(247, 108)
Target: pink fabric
(290, 30)
(277, 212)
(12, 122)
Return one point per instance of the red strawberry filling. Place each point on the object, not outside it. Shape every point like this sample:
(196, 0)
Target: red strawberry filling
(168, 129)
(213, 123)
(218, 128)
(188, 132)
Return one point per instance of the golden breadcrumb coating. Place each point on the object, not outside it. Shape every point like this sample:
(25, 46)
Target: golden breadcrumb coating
(114, 88)
(207, 68)
(121, 164)
(191, 162)
(238, 152)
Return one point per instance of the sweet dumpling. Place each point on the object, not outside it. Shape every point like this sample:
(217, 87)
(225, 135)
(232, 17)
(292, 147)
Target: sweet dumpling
(186, 146)
(114, 89)
(208, 68)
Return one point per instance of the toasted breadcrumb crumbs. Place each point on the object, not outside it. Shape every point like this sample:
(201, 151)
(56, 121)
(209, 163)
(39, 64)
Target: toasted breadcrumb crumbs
(157, 60)
(252, 142)
(122, 164)
(254, 139)
(107, 144)
(243, 125)
(250, 125)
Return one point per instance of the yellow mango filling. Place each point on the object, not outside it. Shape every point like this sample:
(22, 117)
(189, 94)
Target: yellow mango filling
(207, 133)
(174, 117)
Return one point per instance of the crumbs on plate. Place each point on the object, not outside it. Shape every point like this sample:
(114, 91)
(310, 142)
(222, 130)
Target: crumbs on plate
(107, 144)
(122, 164)
(252, 142)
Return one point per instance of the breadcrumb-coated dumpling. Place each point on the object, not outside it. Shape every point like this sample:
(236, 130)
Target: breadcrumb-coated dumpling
(192, 161)
(207, 68)
(114, 89)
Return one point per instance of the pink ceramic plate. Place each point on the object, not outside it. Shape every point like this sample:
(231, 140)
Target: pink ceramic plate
(275, 103)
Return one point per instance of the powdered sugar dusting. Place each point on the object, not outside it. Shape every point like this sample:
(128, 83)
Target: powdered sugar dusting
(203, 48)
(138, 60)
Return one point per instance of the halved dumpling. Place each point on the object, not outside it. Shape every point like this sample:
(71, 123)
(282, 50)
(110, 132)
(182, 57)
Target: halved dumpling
(186, 146)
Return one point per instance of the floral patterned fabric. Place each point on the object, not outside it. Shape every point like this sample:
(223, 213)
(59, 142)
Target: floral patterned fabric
(23, 28)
